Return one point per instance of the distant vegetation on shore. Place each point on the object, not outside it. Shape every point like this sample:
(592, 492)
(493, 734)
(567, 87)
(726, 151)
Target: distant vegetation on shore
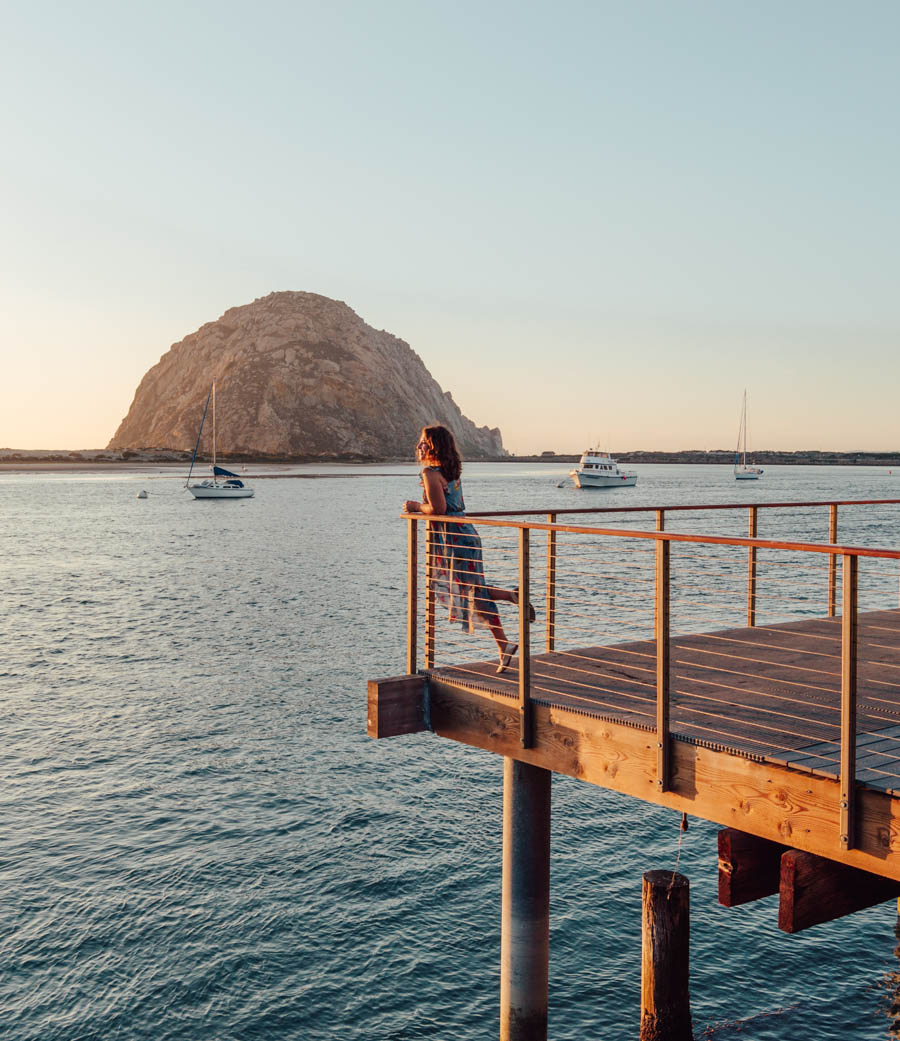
(808, 457)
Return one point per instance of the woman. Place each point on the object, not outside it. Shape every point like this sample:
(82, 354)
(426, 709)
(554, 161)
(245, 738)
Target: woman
(458, 568)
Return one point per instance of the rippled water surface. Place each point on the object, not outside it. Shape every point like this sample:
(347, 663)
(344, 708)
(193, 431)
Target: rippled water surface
(199, 842)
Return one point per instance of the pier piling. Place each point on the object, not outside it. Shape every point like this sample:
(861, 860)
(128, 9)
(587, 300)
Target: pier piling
(665, 945)
(525, 927)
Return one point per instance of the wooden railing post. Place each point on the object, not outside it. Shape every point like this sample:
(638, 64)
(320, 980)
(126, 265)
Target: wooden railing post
(832, 561)
(662, 664)
(412, 596)
(850, 577)
(525, 715)
(751, 571)
(551, 585)
(660, 526)
(429, 594)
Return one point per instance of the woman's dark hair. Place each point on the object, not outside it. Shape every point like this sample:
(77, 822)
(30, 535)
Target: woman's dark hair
(442, 447)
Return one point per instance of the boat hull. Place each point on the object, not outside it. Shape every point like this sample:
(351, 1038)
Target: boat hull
(200, 491)
(590, 480)
(747, 475)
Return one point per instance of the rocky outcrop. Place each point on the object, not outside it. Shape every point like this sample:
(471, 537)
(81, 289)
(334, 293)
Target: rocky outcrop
(297, 375)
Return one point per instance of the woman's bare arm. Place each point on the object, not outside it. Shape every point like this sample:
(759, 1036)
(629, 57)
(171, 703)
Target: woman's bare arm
(434, 499)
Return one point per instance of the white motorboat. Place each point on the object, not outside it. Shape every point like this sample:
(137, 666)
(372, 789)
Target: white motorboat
(599, 470)
(230, 488)
(742, 470)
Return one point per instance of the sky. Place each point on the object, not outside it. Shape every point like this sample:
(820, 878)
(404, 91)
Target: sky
(594, 222)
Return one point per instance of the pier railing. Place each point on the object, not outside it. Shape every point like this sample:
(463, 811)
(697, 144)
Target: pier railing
(783, 649)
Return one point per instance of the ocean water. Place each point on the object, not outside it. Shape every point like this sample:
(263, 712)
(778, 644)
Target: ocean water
(199, 841)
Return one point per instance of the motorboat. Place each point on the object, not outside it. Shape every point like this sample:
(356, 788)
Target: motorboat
(599, 470)
(232, 487)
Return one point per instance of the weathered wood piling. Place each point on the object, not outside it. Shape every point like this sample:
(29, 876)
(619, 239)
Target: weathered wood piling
(665, 957)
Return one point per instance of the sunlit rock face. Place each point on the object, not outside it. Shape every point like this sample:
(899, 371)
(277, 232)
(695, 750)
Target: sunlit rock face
(297, 375)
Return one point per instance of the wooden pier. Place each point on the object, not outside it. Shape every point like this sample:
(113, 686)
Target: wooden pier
(785, 732)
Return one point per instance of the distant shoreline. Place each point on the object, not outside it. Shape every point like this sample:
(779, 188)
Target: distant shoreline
(50, 461)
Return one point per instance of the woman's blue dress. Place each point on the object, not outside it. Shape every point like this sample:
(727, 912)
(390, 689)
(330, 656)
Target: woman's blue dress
(458, 567)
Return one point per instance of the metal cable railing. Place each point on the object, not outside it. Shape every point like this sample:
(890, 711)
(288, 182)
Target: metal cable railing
(780, 647)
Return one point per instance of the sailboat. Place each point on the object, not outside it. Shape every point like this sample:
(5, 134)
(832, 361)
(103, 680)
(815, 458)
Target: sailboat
(743, 472)
(232, 487)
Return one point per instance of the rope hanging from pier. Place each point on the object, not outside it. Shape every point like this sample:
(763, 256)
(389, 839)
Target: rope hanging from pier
(682, 828)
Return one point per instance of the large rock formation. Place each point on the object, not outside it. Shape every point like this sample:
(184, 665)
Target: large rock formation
(297, 375)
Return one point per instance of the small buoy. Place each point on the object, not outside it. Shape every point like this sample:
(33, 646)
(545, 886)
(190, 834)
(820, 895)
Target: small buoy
(141, 494)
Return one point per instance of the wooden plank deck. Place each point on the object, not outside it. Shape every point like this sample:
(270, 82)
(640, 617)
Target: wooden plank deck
(770, 693)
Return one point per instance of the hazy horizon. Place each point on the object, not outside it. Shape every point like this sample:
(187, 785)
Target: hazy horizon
(593, 224)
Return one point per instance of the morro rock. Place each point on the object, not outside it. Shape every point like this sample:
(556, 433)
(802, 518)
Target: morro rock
(297, 375)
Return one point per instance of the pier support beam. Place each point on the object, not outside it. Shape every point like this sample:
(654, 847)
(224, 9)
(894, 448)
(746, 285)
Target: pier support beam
(396, 706)
(815, 890)
(525, 927)
(665, 946)
(749, 867)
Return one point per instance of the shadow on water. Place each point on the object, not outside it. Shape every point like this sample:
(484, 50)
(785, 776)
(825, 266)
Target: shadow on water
(730, 1027)
(890, 983)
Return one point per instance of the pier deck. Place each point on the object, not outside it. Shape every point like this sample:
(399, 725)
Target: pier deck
(786, 728)
(750, 682)
(771, 694)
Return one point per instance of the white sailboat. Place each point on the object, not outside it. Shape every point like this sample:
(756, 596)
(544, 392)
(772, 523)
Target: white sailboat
(743, 472)
(232, 487)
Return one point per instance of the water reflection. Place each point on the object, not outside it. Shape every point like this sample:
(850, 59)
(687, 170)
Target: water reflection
(891, 984)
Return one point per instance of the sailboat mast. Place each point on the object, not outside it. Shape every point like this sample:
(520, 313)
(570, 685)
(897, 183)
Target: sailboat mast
(743, 426)
(214, 423)
(199, 435)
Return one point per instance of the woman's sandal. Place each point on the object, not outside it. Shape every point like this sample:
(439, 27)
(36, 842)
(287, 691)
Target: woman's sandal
(531, 614)
(507, 656)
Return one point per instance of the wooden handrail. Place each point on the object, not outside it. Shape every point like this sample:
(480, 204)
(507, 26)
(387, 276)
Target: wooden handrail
(713, 540)
(698, 506)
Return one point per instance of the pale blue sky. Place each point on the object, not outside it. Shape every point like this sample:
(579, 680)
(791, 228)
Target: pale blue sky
(591, 221)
